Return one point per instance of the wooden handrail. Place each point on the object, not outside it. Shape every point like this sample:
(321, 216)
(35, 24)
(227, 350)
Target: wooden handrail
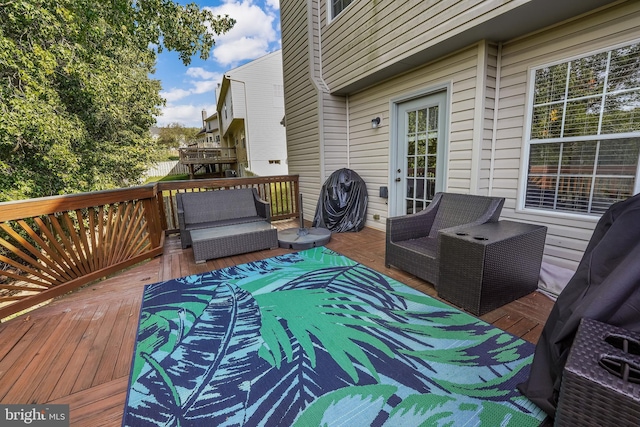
(52, 245)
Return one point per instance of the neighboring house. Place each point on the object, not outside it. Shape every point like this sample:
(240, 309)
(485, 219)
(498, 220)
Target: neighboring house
(535, 101)
(250, 103)
(209, 135)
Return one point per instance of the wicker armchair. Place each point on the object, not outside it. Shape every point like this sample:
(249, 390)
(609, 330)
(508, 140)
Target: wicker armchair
(412, 240)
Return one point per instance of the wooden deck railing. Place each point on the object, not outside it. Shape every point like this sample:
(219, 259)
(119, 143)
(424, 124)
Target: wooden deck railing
(280, 191)
(205, 155)
(52, 245)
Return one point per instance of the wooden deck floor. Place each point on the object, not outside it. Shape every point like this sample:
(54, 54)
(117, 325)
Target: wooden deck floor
(77, 350)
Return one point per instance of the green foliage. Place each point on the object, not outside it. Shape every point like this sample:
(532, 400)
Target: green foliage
(175, 135)
(76, 99)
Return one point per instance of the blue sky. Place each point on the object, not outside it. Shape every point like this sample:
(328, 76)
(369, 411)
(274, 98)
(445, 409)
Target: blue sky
(190, 89)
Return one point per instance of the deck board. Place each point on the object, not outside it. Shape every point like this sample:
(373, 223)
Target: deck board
(77, 350)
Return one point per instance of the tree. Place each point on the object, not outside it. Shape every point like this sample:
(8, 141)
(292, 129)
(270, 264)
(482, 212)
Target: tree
(76, 96)
(175, 134)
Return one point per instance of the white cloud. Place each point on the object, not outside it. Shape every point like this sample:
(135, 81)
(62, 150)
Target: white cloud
(255, 30)
(201, 73)
(204, 86)
(188, 115)
(175, 94)
(201, 81)
(237, 50)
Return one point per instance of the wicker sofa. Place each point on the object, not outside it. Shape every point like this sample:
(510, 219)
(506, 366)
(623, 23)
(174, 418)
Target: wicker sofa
(412, 240)
(209, 209)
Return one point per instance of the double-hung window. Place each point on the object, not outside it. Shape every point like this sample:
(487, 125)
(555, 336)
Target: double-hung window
(584, 138)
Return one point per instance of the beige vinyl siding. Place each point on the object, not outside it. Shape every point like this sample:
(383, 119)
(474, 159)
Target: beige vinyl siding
(389, 31)
(301, 103)
(369, 148)
(335, 133)
(567, 235)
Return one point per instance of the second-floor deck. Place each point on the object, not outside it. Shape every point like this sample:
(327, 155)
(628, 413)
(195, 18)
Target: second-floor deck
(77, 349)
(215, 158)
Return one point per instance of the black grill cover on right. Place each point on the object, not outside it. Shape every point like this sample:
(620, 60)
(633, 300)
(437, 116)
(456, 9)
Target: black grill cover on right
(342, 205)
(605, 287)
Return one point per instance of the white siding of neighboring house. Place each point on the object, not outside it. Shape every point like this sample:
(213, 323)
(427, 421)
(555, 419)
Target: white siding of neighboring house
(256, 95)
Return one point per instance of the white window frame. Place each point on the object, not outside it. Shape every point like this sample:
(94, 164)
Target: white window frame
(529, 110)
(330, 9)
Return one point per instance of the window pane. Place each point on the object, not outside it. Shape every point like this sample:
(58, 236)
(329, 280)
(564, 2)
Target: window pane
(541, 192)
(619, 157)
(422, 144)
(420, 166)
(547, 121)
(582, 117)
(411, 145)
(550, 84)
(411, 165)
(419, 189)
(621, 113)
(433, 118)
(411, 117)
(574, 193)
(543, 158)
(587, 76)
(578, 158)
(431, 166)
(624, 70)
(607, 191)
(433, 144)
(422, 120)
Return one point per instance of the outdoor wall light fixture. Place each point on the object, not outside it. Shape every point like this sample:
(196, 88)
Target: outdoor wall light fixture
(375, 123)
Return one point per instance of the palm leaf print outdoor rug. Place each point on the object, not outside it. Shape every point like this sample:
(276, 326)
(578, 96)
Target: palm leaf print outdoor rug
(316, 339)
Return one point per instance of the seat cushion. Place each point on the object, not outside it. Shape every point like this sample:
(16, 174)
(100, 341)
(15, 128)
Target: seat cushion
(424, 245)
(212, 224)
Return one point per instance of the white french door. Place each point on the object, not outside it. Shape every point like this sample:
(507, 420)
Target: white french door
(420, 148)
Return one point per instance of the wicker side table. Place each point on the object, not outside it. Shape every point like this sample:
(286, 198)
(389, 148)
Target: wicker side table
(489, 265)
(216, 242)
(594, 391)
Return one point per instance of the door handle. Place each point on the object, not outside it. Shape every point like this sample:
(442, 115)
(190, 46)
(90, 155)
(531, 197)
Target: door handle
(398, 179)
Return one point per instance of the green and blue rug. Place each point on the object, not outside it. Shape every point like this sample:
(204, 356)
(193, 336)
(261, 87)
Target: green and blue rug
(316, 339)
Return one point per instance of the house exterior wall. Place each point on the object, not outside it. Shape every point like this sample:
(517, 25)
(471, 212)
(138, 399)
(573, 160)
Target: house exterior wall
(568, 234)
(258, 97)
(370, 148)
(391, 31)
(327, 63)
(318, 147)
(254, 99)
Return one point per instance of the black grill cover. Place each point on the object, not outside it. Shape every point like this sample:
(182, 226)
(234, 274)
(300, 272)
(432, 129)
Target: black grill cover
(605, 287)
(342, 205)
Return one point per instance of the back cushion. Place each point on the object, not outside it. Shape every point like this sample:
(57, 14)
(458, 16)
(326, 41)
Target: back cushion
(458, 209)
(218, 205)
